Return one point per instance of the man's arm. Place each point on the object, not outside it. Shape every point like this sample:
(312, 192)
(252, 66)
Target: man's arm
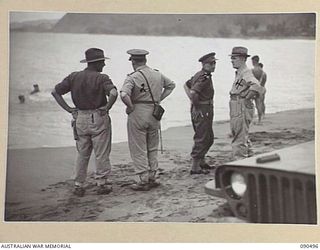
(254, 85)
(251, 94)
(187, 90)
(112, 98)
(165, 93)
(127, 101)
(193, 95)
(62, 102)
(168, 87)
(263, 79)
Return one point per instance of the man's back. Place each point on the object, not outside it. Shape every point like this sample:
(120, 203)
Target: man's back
(263, 79)
(88, 88)
(257, 72)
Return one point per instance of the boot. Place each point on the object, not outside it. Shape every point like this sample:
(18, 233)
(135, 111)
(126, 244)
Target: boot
(205, 165)
(152, 179)
(196, 169)
(79, 191)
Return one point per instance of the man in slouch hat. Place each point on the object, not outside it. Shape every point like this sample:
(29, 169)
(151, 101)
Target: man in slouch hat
(244, 89)
(91, 125)
(140, 90)
(200, 91)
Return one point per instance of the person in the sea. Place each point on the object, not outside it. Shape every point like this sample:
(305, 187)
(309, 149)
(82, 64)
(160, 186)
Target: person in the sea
(21, 99)
(36, 89)
(92, 125)
(200, 91)
(261, 77)
(244, 89)
(141, 89)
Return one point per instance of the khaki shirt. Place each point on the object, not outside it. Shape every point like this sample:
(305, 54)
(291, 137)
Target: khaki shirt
(244, 82)
(136, 87)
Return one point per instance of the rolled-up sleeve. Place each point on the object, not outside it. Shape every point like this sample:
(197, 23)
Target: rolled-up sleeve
(64, 86)
(107, 84)
(253, 82)
(188, 83)
(199, 85)
(127, 86)
(167, 83)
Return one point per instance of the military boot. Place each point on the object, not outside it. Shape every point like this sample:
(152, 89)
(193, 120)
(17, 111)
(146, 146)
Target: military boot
(205, 165)
(196, 169)
(153, 183)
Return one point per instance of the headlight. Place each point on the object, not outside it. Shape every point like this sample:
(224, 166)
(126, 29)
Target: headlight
(238, 184)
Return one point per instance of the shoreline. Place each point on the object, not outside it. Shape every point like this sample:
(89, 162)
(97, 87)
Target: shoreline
(215, 122)
(39, 180)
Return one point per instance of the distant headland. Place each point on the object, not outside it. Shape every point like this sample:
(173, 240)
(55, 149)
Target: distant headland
(262, 26)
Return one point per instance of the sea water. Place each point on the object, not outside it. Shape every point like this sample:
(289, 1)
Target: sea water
(46, 58)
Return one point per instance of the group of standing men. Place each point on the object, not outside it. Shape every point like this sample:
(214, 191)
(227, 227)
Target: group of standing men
(141, 91)
(246, 87)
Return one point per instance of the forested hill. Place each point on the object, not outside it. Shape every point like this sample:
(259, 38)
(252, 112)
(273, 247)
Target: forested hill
(199, 25)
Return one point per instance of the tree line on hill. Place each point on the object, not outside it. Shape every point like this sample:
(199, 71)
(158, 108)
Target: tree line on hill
(285, 25)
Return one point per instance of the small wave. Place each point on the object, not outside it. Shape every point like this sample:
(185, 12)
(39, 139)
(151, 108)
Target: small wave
(40, 97)
(44, 96)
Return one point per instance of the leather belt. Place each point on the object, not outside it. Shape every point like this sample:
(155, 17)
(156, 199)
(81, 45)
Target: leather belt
(143, 102)
(208, 102)
(236, 97)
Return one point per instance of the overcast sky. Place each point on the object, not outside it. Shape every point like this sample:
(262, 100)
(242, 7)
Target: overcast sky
(29, 16)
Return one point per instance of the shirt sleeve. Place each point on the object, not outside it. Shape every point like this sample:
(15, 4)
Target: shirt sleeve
(107, 84)
(252, 82)
(188, 83)
(128, 86)
(64, 86)
(167, 83)
(200, 84)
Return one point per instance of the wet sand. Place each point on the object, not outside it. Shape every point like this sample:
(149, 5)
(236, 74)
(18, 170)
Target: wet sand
(39, 181)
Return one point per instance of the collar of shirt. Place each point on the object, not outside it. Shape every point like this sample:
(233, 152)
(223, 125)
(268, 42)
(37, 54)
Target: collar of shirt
(90, 69)
(206, 73)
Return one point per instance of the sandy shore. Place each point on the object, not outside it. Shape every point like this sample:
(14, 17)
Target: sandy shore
(39, 181)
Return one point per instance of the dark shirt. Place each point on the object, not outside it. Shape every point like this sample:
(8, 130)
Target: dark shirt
(201, 82)
(88, 88)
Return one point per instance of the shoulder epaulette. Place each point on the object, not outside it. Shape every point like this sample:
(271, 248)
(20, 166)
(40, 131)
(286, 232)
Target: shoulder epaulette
(203, 77)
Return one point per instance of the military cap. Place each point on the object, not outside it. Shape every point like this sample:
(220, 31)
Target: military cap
(239, 51)
(208, 58)
(137, 53)
(94, 55)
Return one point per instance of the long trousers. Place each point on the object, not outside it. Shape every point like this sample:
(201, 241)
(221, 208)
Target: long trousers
(241, 115)
(143, 139)
(94, 133)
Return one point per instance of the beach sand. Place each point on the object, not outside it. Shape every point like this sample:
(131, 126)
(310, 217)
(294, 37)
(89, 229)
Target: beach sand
(39, 181)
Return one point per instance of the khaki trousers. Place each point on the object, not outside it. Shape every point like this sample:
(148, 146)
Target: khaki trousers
(241, 115)
(94, 132)
(143, 139)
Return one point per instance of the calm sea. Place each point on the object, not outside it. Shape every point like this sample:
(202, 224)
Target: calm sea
(45, 59)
